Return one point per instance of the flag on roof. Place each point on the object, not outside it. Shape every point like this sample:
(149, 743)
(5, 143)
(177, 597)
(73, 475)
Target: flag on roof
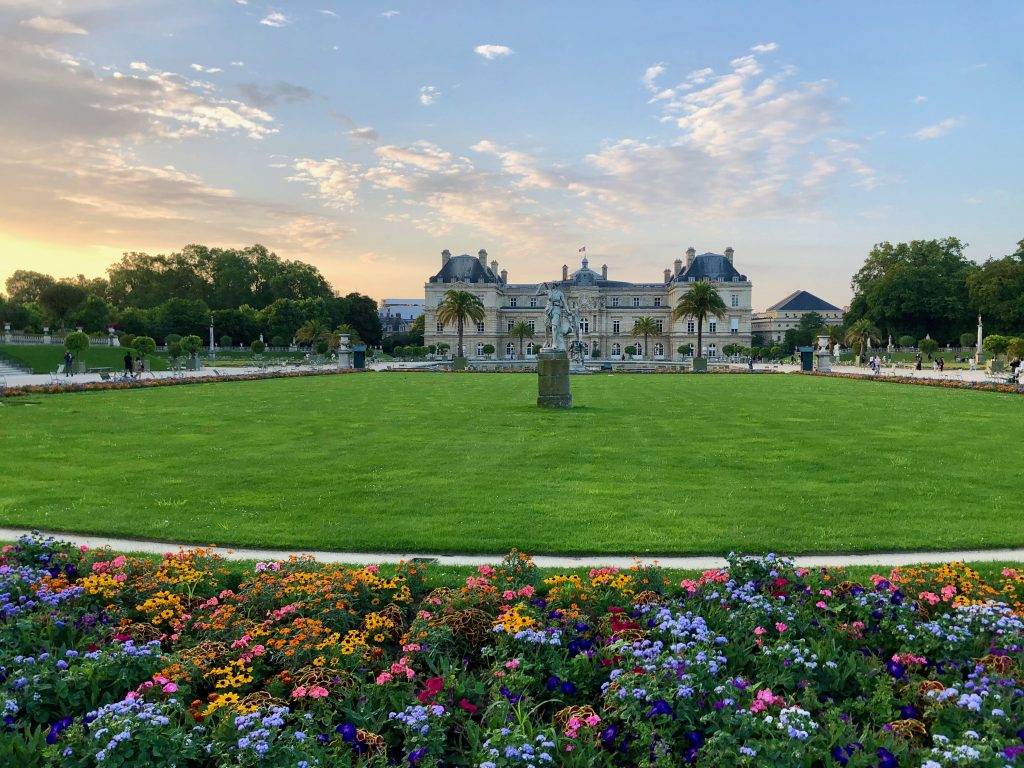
(582, 250)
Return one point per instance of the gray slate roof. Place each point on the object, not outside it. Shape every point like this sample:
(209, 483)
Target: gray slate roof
(468, 269)
(802, 301)
(710, 266)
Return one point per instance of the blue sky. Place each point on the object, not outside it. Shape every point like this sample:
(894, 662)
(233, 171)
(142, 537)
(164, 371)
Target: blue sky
(366, 137)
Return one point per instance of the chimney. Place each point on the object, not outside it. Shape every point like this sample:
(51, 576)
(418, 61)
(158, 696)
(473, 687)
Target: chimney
(445, 255)
(482, 255)
(678, 266)
(494, 266)
(604, 271)
(728, 253)
(668, 275)
(504, 277)
(565, 271)
(691, 254)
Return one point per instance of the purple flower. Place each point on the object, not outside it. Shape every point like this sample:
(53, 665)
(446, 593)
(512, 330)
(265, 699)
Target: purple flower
(56, 728)
(553, 682)
(896, 669)
(908, 711)
(568, 688)
(608, 734)
(416, 755)
(347, 731)
(660, 707)
(887, 759)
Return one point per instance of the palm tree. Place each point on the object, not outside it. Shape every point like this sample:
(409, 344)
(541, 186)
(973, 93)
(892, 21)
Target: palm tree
(862, 332)
(458, 307)
(701, 301)
(523, 330)
(311, 332)
(645, 326)
(353, 335)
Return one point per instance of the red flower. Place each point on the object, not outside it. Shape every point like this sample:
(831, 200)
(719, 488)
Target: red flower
(471, 708)
(433, 687)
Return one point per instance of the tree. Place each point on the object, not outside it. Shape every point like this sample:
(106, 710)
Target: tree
(417, 329)
(861, 333)
(685, 349)
(361, 313)
(76, 343)
(701, 301)
(908, 341)
(928, 346)
(459, 307)
(311, 332)
(94, 315)
(488, 349)
(967, 339)
(914, 288)
(522, 330)
(25, 286)
(144, 345)
(995, 344)
(61, 299)
(191, 344)
(996, 290)
(1015, 347)
(184, 316)
(257, 347)
(225, 341)
(645, 326)
(630, 350)
(353, 335)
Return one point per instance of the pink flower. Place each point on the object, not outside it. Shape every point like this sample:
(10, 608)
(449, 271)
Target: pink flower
(527, 591)
(508, 594)
(780, 626)
(318, 692)
(592, 720)
(170, 688)
(512, 664)
(486, 571)
(82, 548)
(411, 647)
(820, 604)
(384, 677)
(930, 597)
(372, 569)
(759, 630)
(947, 592)
(299, 692)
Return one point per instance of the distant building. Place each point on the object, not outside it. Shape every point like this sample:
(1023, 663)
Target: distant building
(396, 315)
(607, 308)
(783, 315)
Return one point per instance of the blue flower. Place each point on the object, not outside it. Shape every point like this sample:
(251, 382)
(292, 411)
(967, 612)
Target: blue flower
(896, 669)
(416, 755)
(887, 759)
(608, 734)
(660, 707)
(553, 682)
(568, 688)
(347, 731)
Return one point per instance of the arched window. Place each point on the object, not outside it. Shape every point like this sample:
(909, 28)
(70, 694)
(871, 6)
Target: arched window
(616, 349)
(712, 350)
(480, 348)
(510, 350)
(529, 348)
(659, 348)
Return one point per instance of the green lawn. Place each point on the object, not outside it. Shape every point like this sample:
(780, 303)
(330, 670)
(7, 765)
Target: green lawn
(432, 462)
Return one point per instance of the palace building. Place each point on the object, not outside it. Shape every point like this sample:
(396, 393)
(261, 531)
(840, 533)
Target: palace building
(785, 314)
(607, 308)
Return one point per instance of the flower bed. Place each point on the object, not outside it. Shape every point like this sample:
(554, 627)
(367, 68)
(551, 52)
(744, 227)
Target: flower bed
(95, 386)
(981, 386)
(114, 660)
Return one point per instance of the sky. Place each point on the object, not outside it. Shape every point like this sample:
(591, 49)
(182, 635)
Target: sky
(366, 137)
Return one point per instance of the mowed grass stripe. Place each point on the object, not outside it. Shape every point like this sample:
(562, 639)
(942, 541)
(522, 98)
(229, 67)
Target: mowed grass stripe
(644, 464)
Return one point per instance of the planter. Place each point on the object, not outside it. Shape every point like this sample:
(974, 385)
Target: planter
(78, 366)
(193, 364)
(458, 363)
(700, 364)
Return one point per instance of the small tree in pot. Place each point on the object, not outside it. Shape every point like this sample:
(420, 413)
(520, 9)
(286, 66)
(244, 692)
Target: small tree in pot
(144, 345)
(192, 345)
(76, 343)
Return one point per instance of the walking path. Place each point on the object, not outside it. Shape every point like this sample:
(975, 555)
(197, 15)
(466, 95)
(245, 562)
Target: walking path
(689, 562)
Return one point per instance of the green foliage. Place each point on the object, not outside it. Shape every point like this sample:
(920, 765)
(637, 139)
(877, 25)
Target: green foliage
(225, 341)
(460, 307)
(927, 346)
(702, 300)
(1015, 347)
(860, 333)
(61, 299)
(144, 345)
(521, 329)
(76, 343)
(915, 287)
(258, 347)
(684, 349)
(996, 291)
(25, 286)
(995, 344)
(630, 350)
(174, 349)
(321, 346)
(488, 349)
(432, 349)
(93, 316)
(191, 344)
(910, 341)
(184, 316)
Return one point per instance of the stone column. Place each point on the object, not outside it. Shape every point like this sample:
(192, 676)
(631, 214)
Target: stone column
(46, 334)
(824, 360)
(553, 379)
(344, 352)
(7, 334)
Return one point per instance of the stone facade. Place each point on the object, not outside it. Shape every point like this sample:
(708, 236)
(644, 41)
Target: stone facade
(607, 308)
(783, 315)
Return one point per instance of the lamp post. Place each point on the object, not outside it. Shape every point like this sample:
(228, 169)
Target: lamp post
(211, 337)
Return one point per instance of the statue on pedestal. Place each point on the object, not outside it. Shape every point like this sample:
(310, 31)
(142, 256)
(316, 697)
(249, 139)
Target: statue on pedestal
(559, 319)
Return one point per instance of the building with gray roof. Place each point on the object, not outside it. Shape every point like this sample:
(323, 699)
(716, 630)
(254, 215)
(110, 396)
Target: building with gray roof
(773, 323)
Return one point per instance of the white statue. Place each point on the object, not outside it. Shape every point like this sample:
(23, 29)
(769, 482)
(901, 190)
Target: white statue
(558, 317)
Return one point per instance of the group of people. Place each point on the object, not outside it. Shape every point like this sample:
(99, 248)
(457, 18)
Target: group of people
(133, 369)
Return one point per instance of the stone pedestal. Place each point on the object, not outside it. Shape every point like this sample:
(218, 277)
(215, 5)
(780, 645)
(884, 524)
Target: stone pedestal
(699, 365)
(553, 379)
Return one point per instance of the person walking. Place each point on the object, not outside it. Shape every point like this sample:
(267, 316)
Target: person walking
(129, 369)
(140, 368)
(69, 361)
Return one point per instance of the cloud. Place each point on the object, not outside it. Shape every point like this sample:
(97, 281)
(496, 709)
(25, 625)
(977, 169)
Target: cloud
(389, 14)
(491, 52)
(264, 96)
(364, 134)
(275, 19)
(335, 182)
(919, 99)
(139, 66)
(765, 47)
(237, 63)
(328, 13)
(428, 94)
(650, 75)
(939, 129)
(53, 26)
(207, 70)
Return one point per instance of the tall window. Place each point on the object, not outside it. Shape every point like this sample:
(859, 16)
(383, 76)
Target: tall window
(615, 301)
(585, 325)
(529, 348)
(734, 326)
(479, 327)
(735, 301)
(480, 348)
(661, 325)
(616, 349)
(639, 348)
(439, 300)
(657, 301)
(712, 350)
(510, 324)
(533, 301)
(440, 328)
(532, 324)
(615, 326)
(659, 349)
(712, 326)
(512, 301)
(636, 301)
(510, 350)
(689, 327)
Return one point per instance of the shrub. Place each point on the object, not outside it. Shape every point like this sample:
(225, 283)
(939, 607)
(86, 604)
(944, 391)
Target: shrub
(967, 339)
(144, 345)
(127, 340)
(257, 347)
(631, 350)
(927, 346)
(1015, 348)
(174, 350)
(684, 349)
(225, 341)
(488, 349)
(192, 344)
(171, 338)
(907, 341)
(322, 346)
(432, 349)
(278, 341)
(76, 343)
(995, 345)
